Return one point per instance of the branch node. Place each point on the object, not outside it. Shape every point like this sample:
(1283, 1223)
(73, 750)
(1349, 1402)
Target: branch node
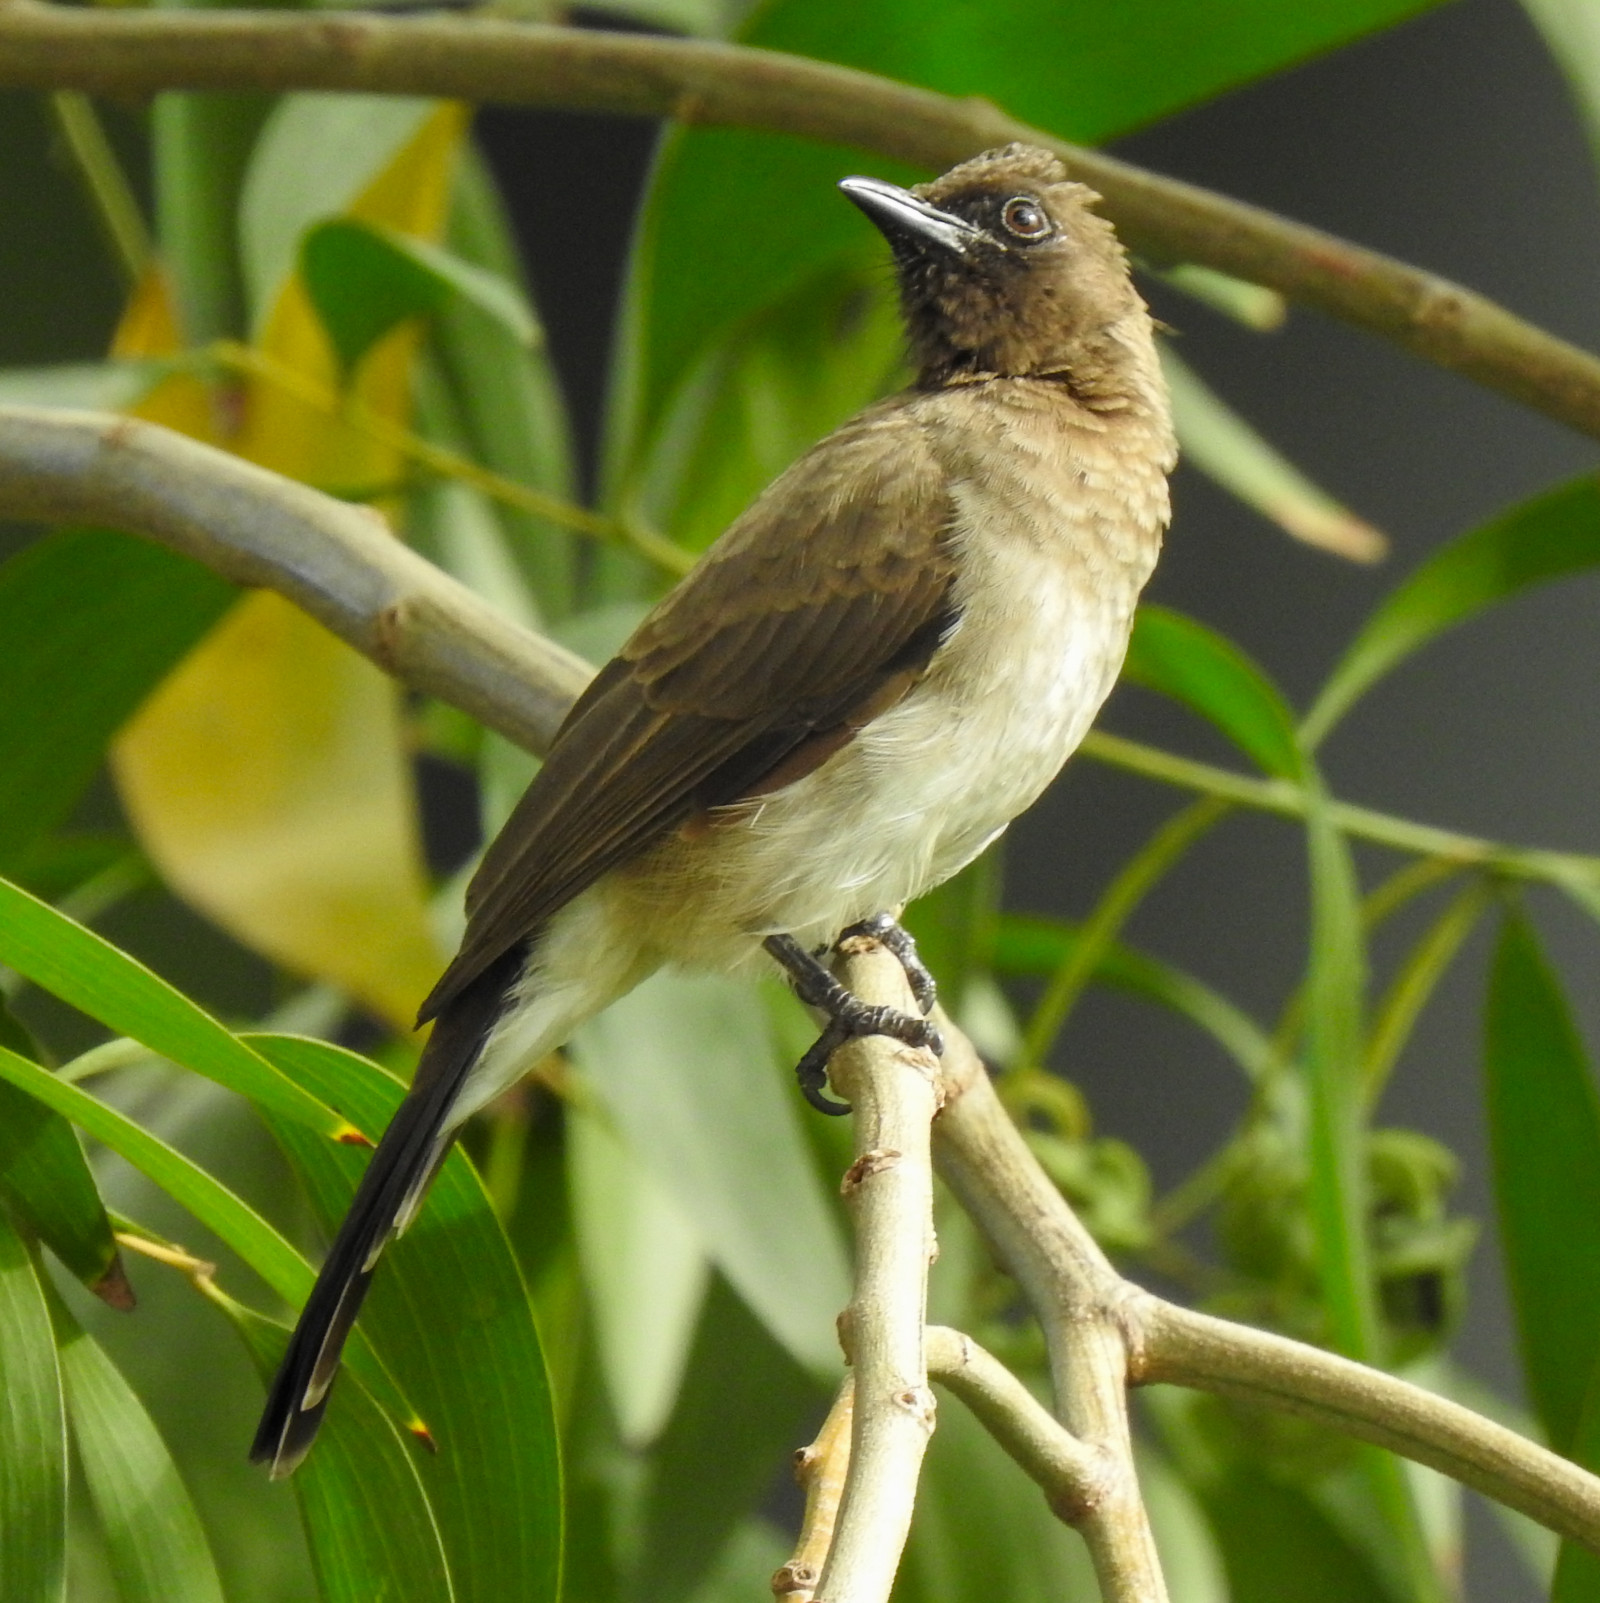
(879, 1160)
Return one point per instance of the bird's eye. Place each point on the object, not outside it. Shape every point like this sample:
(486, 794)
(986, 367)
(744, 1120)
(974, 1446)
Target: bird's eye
(1026, 218)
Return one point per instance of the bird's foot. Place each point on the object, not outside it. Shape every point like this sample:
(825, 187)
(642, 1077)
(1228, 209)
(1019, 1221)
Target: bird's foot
(892, 936)
(848, 1016)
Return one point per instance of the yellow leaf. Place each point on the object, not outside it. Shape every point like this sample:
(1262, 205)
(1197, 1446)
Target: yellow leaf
(268, 777)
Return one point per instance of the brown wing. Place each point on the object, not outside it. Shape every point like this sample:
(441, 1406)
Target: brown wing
(812, 613)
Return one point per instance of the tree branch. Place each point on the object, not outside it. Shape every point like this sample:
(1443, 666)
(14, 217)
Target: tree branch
(1079, 1300)
(1065, 1277)
(1073, 1476)
(821, 1469)
(138, 52)
(1192, 1349)
(895, 1091)
(336, 560)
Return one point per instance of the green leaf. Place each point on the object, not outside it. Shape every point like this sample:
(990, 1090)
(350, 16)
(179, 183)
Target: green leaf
(1544, 1131)
(78, 966)
(1335, 1001)
(45, 1178)
(1229, 451)
(364, 280)
(509, 402)
(686, 1068)
(211, 1202)
(1335, 1007)
(217, 1208)
(638, 1250)
(1085, 71)
(743, 1407)
(316, 153)
(777, 382)
(200, 146)
(153, 1536)
(1211, 676)
(1548, 537)
(371, 1530)
(92, 622)
(449, 1313)
(33, 1435)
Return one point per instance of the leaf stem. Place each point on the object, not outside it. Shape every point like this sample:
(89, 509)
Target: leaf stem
(1288, 800)
(105, 183)
(1135, 881)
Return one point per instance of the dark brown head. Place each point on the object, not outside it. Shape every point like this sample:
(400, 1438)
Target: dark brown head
(1005, 269)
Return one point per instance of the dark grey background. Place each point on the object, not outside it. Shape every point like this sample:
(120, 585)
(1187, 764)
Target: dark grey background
(1449, 142)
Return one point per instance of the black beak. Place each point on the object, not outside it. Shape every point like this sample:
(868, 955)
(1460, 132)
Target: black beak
(903, 220)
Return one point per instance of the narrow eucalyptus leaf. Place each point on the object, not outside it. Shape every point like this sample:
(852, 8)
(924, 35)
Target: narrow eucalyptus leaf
(153, 1535)
(33, 1435)
(1544, 1131)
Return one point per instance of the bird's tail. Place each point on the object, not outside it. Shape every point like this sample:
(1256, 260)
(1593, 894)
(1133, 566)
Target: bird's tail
(390, 1192)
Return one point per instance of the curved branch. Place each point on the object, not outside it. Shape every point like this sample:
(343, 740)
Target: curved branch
(1073, 1476)
(336, 560)
(1192, 1349)
(138, 52)
(1066, 1279)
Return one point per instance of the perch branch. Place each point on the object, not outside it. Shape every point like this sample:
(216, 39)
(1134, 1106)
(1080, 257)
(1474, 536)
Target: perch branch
(339, 562)
(895, 1091)
(138, 52)
(820, 1469)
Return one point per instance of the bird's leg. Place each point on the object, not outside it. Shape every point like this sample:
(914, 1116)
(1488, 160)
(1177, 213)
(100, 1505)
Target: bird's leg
(889, 933)
(848, 1016)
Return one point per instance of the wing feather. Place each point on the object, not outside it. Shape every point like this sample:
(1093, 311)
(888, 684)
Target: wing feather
(833, 588)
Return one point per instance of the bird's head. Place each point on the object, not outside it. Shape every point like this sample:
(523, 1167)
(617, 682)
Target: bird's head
(1006, 270)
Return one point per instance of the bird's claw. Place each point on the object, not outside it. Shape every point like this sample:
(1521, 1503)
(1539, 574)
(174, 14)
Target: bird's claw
(849, 1018)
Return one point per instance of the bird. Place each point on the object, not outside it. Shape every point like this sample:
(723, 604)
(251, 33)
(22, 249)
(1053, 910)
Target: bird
(876, 667)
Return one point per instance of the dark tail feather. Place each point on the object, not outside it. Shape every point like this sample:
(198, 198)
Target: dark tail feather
(402, 1166)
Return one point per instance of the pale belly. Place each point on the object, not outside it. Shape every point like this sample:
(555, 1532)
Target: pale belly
(918, 793)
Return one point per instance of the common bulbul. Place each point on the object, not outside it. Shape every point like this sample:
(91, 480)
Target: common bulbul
(876, 668)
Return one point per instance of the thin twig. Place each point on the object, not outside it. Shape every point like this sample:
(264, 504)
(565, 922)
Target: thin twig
(109, 192)
(133, 52)
(445, 463)
(1215, 1355)
(821, 1469)
(895, 1091)
(1288, 800)
(1071, 1474)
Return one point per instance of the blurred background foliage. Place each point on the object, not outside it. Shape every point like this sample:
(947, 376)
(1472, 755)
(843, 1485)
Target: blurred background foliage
(614, 1321)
